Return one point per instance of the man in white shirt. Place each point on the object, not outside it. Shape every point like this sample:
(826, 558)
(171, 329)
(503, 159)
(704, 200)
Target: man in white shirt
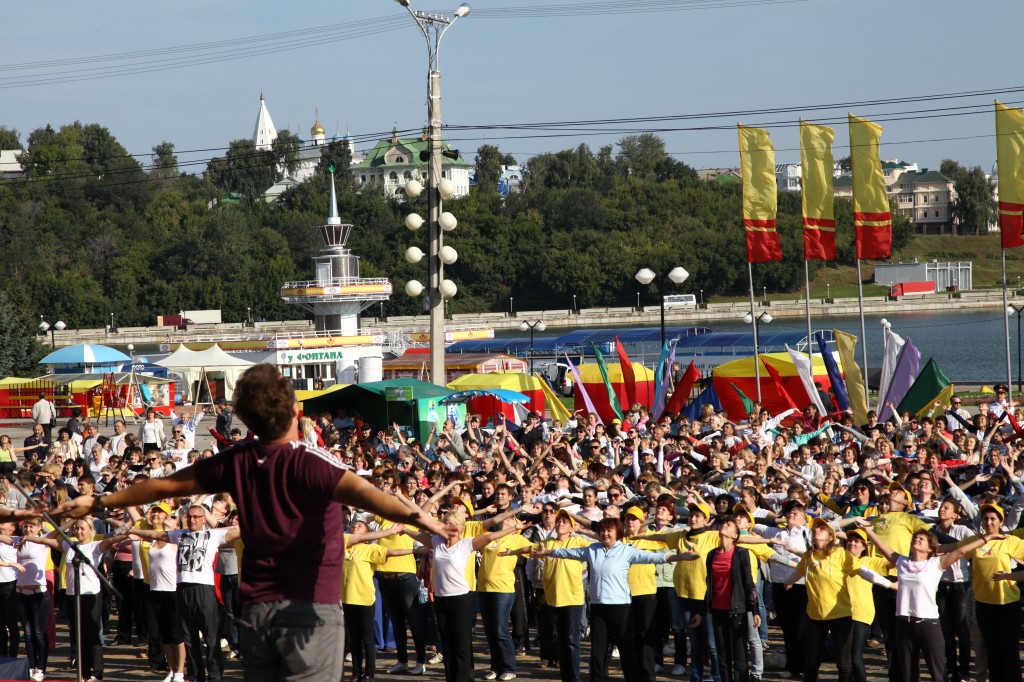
(187, 427)
(117, 443)
(44, 413)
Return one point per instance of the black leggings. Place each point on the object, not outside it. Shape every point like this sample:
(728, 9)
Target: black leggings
(454, 620)
(9, 634)
(90, 649)
(952, 602)
(817, 630)
(857, 643)
(359, 626)
(1000, 628)
(34, 609)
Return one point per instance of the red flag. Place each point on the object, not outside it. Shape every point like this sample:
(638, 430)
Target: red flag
(682, 390)
(777, 382)
(628, 378)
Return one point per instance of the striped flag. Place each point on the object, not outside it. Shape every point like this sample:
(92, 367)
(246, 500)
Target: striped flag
(872, 221)
(760, 195)
(816, 164)
(1010, 164)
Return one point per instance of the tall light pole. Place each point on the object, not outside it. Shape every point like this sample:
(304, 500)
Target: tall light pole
(575, 310)
(1018, 310)
(433, 28)
(57, 326)
(645, 276)
(532, 326)
(755, 323)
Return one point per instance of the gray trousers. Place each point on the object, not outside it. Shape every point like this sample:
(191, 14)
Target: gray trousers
(289, 641)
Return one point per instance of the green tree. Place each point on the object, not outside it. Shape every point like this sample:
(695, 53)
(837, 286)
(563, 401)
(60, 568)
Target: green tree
(975, 205)
(286, 152)
(244, 170)
(19, 351)
(640, 155)
(165, 162)
(488, 168)
(9, 138)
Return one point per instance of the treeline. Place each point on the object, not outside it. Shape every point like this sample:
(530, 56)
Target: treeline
(92, 231)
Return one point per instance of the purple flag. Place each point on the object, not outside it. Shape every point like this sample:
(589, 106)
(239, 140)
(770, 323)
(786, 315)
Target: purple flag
(583, 390)
(908, 365)
(666, 383)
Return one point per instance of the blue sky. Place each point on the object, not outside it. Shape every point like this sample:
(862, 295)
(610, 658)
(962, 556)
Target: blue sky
(523, 70)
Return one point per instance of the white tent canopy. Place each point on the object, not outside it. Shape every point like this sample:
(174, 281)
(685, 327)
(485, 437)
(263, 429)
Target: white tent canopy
(194, 366)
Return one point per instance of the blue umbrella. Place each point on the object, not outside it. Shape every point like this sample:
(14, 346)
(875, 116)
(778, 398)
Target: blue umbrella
(84, 354)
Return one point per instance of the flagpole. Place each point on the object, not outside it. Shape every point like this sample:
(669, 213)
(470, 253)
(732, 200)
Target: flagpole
(1006, 333)
(807, 295)
(863, 332)
(753, 325)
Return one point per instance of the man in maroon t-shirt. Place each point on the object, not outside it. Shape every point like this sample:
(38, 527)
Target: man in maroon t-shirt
(291, 524)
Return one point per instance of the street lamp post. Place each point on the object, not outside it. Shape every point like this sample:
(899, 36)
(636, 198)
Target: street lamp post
(131, 354)
(575, 310)
(1018, 310)
(532, 326)
(755, 323)
(510, 313)
(701, 298)
(113, 329)
(828, 292)
(57, 326)
(645, 276)
(433, 28)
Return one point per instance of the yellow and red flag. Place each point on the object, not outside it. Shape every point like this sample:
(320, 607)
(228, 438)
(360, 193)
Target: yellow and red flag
(872, 221)
(1010, 164)
(760, 195)
(819, 212)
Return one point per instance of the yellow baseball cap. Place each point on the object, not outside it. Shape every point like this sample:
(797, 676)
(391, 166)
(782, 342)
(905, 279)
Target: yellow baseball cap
(994, 508)
(464, 503)
(818, 522)
(896, 485)
(857, 533)
(739, 509)
(636, 512)
(562, 513)
(702, 508)
(162, 506)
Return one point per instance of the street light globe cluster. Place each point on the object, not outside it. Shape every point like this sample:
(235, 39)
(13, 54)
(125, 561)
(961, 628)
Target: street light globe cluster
(540, 326)
(763, 318)
(446, 254)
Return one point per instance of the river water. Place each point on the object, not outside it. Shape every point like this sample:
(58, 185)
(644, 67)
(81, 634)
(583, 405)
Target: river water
(969, 346)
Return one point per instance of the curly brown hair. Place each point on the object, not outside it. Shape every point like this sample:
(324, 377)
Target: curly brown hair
(264, 400)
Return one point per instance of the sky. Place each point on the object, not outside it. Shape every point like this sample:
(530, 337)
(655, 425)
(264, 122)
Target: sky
(365, 70)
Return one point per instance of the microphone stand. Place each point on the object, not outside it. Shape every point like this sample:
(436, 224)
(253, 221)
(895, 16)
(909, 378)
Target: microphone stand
(77, 560)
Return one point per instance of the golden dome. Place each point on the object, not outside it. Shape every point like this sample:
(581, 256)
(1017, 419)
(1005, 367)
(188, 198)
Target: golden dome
(317, 129)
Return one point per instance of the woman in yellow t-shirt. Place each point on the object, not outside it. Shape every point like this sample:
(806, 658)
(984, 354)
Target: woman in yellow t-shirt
(862, 603)
(997, 601)
(358, 594)
(496, 590)
(563, 590)
(644, 590)
(826, 567)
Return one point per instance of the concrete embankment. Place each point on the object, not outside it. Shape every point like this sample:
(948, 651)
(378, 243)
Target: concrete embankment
(647, 316)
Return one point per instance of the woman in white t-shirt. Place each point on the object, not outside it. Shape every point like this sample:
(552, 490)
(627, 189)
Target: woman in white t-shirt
(32, 598)
(917, 611)
(452, 601)
(90, 647)
(163, 584)
(151, 432)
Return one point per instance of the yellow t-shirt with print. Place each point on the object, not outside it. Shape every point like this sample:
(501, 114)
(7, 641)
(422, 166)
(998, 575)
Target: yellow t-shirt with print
(473, 529)
(991, 558)
(563, 578)
(642, 577)
(691, 577)
(896, 529)
(497, 573)
(828, 596)
(357, 582)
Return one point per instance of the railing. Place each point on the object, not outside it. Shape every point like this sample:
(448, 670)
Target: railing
(336, 282)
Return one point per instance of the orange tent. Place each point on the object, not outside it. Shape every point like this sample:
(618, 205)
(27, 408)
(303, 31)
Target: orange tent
(592, 381)
(741, 373)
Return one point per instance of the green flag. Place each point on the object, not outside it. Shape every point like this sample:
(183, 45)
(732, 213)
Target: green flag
(613, 399)
(748, 404)
(927, 388)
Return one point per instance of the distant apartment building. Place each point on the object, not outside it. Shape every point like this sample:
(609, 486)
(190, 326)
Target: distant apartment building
(925, 196)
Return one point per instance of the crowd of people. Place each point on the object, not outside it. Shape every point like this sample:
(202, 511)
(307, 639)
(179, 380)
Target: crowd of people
(671, 545)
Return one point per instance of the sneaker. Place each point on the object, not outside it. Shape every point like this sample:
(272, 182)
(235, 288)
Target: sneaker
(398, 669)
(507, 676)
(679, 670)
(168, 678)
(436, 659)
(36, 674)
(235, 656)
(615, 652)
(489, 675)
(348, 657)
(224, 646)
(179, 677)
(669, 649)
(418, 670)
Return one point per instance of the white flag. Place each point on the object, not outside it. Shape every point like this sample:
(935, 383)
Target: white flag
(803, 368)
(892, 344)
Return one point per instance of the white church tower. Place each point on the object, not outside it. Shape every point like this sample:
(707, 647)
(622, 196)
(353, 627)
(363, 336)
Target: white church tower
(265, 133)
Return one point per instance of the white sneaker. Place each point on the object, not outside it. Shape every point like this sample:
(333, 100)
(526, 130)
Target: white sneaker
(179, 677)
(37, 675)
(418, 670)
(615, 652)
(436, 659)
(224, 646)
(489, 675)
(348, 657)
(398, 668)
(169, 678)
(504, 677)
(679, 670)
